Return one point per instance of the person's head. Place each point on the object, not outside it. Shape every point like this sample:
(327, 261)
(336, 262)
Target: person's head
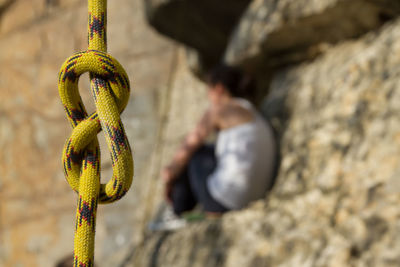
(225, 82)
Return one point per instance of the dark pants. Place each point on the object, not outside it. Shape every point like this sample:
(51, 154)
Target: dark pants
(191, 187)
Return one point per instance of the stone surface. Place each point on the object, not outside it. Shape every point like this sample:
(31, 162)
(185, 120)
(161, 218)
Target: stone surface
(202, 25)
(37, 206)
(336, 199)
(4, 5)
(275, 33)
(269, 35)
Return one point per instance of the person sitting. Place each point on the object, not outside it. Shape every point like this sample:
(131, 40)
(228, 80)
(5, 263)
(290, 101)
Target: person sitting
(239, 169)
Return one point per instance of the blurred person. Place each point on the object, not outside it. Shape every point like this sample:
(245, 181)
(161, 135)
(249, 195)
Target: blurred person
(241, 167)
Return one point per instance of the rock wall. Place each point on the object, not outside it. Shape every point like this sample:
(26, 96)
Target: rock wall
(277, 33)
(336, 198)
(331, 70)
(37, 207)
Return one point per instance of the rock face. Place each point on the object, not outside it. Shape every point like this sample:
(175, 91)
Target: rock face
(202, 25)
(332, 70)
(270, 33)
(336, 199)
(37, 206)
(276, 33)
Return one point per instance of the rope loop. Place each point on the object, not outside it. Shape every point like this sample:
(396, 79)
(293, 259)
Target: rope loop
(111, 93)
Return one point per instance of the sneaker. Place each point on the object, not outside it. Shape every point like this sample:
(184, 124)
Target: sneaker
(166, 220)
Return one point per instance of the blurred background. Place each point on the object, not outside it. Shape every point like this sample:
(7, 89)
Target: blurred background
(327, 76)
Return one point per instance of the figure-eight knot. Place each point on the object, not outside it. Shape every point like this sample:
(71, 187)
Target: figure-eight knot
(81, 154)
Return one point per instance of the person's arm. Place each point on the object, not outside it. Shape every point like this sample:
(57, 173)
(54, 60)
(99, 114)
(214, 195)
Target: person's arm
(191, 143)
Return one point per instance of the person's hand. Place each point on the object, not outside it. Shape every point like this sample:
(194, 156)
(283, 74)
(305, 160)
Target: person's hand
(167, 174)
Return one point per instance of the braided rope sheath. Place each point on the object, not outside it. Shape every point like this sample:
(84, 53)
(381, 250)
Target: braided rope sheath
(81, 155)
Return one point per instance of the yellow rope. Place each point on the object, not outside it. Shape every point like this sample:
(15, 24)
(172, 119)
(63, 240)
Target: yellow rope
(81, 156)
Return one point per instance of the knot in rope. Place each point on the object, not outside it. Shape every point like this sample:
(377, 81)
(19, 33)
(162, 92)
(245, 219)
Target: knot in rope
(81, 155)
(110, 90)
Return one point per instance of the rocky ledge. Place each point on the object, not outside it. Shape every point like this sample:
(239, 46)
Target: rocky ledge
(336, 198)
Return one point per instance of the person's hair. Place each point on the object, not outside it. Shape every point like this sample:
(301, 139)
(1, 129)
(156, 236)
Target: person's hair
(233, 79)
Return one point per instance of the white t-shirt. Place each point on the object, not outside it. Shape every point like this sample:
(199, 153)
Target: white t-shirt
(245, 160)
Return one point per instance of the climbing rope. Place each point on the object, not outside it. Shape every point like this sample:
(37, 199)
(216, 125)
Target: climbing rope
(81, 155)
